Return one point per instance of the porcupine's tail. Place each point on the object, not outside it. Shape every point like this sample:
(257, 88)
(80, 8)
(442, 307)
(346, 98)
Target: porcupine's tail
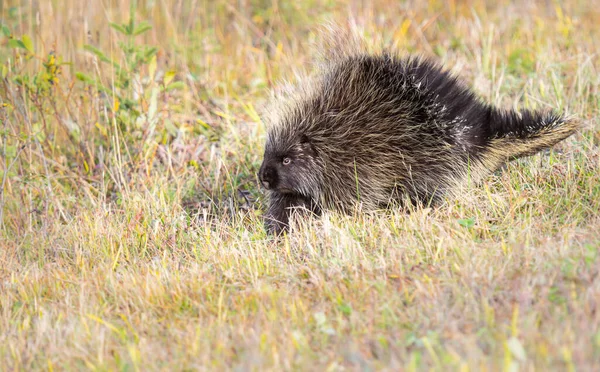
(511, 134)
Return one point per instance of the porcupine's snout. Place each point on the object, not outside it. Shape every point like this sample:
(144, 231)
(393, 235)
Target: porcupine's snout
(267, 176)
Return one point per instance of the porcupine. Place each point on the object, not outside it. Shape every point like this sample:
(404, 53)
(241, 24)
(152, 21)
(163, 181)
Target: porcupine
(369, 130)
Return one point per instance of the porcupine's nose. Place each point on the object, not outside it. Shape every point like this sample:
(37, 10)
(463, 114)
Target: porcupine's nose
(266, 176)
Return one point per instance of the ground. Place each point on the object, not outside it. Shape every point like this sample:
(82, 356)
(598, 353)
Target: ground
(131, 212)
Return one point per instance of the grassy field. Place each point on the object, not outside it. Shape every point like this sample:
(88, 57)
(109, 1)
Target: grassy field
(131, 234)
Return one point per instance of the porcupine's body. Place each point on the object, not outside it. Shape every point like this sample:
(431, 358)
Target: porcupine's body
(370, 129)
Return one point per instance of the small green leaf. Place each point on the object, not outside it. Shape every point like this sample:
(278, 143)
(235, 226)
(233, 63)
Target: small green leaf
(169, 75)
(83, 77)
(96, 51)
(16, 43)
(141, 28)
(345, 309)
(131, 25)
(5, 31)
(88, 80)
(467, 222)
(175, 85)
(102, 56)
(150, 52)
(118, 27)
(28, 43)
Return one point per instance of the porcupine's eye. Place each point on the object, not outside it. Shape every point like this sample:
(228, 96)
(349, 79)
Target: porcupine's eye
(287, 161)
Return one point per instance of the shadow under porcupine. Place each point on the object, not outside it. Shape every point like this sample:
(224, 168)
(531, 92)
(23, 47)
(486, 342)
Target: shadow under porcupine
(371, 129)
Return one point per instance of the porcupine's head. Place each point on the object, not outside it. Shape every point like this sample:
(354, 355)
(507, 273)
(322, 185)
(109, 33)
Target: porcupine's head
(291, 163)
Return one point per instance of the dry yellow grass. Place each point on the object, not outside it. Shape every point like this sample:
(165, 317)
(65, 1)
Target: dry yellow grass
(131, 231)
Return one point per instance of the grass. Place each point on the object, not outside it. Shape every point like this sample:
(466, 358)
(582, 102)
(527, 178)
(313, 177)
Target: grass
(131, 214)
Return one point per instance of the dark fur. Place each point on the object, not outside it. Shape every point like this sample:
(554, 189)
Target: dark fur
(371, 129)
